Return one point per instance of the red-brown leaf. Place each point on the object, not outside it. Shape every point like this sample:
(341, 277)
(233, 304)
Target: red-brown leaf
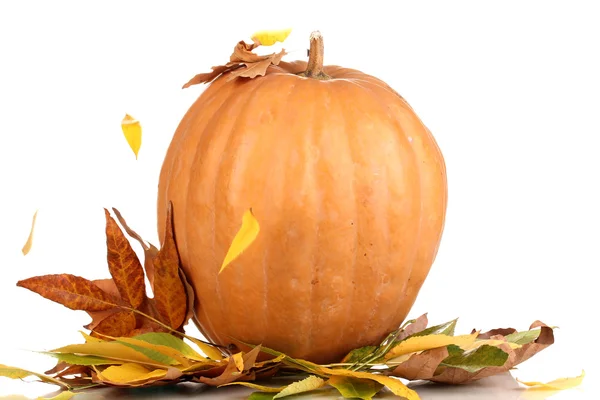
(123, 264)
(117, 324)
(169, 291)
(422, 365)
(72, 291)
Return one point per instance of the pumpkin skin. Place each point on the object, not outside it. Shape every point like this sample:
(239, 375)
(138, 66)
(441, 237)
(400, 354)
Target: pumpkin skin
(350, 191)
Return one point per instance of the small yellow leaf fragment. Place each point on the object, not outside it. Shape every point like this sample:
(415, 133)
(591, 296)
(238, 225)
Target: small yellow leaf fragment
(66, 395)
(305, 385)
(421, 343)
(239, 361)
(270, 37)
(243, 239)
(557, 384)
(130, 373)
(133, 133)
(27, 247)
(262, 388)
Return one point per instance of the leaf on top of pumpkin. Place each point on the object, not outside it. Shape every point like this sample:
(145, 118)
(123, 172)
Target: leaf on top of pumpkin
(556, 384)
(242, 63)
(132, 130)
(270, 37)
(243, 238)
(169, 291)
(27, 246)
(123, 264)
(72, 291)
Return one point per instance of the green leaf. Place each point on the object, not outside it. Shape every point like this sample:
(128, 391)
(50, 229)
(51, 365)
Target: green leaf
(523, 337)
(261, 396)
(166, 339)
(350, 387)
(75, 359)
(442, 329)
(150, 353)
(305, 385)
(359, 354)
(483, 357)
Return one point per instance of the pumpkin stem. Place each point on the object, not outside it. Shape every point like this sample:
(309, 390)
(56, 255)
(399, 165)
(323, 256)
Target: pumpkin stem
(314, 68)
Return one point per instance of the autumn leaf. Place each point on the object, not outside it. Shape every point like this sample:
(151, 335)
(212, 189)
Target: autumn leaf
(262, 388)
(119, 323)
(132, 130)
(420, 365)
(483, 357)
(270, 37)
(27, 246)
(243, 239)
(71, 291)
(308, 384)
(111, 350)
(393, 384)
(557, 384)
(355, 387)
(420, 343)
(123, 264)
(242, 63)
(18, 373)
(169, 291)
(168, 340)
(65, 395)
(130, 374)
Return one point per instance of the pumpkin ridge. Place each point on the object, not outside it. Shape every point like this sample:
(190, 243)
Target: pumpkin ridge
(244, 108)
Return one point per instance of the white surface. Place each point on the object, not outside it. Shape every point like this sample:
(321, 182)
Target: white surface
(510, 91)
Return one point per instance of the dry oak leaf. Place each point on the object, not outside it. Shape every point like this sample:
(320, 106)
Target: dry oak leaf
(242, 63)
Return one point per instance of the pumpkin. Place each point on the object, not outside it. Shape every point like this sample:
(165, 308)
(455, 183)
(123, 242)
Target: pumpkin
(349, 188)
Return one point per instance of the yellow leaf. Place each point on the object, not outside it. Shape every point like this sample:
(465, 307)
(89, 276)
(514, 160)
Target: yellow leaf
(243, 239)
(305, 385)
(420, 343)
(90, 339)
(207, 349)
(18, 373)
(130, 373)
(395, 385)
(166, 350)
(262, 388)
(270, 37)
(557, 384)
(133, 133)
(111, 350)
(29, 241)
(66, 395)
(239, 361)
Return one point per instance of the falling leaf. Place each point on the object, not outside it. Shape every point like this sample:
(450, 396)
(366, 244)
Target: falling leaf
(123, 264)
(242, 63)
(557, 384)
(243, 239)
(169, 292)
(27, 247)
(130, 374)
(133, 133)
(355, 387)
(305, 385)
(420, 343)
(270, 37)
(71, 291)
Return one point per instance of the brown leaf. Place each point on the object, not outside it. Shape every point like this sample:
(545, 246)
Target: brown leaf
(189, 291)
(72, 291)
(230, 374)
(422, 365)
(419, 325)
(515, 357)
(242, 63)
(494, 332)
(169, 291)
(119, 323)
(144, 324)
(123, 264)
(150, 250)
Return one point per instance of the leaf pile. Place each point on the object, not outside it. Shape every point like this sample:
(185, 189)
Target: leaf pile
(138, 341)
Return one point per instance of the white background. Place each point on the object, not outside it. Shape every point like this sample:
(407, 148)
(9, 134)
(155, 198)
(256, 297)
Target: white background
(510, 91)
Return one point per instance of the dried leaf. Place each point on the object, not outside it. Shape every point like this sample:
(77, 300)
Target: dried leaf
(165, 339)
(133, 133)
(305, 385)
(350, 387)
(130, 374)
(229, 374)
(418, 325)
(27, 247)
(123, 264)
(150, 251)
(65, 395)
(71, 291)
(243, 239)
(269, 38)
(191, 297)
(262, 388)
(395, 385)
(110, 350)
(168, 354)
(421, 365)
(557, 384)
(169, 292)
(210, 351)
(420, 343)
(119, 323)
(257, 68)
(19, 373)
(441, 329)
(75, 359)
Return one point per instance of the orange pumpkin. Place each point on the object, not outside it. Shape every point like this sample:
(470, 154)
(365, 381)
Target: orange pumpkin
(349, 188)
